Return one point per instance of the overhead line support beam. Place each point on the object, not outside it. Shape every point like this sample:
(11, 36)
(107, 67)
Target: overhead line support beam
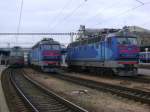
(39, 34)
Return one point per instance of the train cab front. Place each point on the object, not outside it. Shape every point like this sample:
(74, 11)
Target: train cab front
(51, 60)
(128, 52)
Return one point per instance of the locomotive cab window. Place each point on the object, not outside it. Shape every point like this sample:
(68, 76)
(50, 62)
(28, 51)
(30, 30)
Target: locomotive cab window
(46, 46)
(51, 47)
(127, 40)
(55, 47)
(109, 41)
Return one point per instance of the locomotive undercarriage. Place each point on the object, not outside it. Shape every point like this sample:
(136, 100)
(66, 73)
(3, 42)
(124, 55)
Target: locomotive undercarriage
(112, 68)
(45, 68)
(49, 68)
(127, 70)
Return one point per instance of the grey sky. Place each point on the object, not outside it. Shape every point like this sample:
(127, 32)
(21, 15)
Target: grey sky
(56, 16)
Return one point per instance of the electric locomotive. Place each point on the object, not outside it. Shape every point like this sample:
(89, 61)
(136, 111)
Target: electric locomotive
(16, 58)
(116, 52)
(46, 55)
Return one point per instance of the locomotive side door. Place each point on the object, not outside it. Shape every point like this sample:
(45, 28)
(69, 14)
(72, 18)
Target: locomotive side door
(103, 50)
(109, 48)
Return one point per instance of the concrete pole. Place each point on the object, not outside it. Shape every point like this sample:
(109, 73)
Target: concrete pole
(0, 59)
(146, 50)
(71, 37)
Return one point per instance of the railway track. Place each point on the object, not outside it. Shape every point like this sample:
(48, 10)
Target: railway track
(139, 79)
(130, 93)
(13, 99)
(37, 98)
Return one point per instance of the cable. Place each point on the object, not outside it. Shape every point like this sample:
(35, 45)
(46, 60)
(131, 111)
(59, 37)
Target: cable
(106, 8)
(20, 18)
(145, 23)
(70, 14)
(61, 11)
(140, 2)
(129, 10)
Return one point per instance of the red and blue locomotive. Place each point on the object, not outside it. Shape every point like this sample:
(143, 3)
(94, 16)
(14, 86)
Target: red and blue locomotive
(116, 52)
(46, 55)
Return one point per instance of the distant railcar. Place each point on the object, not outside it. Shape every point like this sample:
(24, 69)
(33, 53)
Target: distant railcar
(16, 58)
(63, 58)
(114, 52)
(46, 55)
(144, 57)
(29, 58)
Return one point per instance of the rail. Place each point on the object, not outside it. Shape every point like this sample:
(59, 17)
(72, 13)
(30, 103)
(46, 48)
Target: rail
(26, 86)
(130, 93)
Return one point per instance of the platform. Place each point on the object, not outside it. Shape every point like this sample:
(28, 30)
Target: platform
(3, 105)
(144, 71)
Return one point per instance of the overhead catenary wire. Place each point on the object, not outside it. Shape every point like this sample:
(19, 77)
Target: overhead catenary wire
(61, 11)
(145, 23)
(143, 4)
(20, 18)
(70, 14)
(66, 17)
(122, 13)
(140, 2)
(100, 12)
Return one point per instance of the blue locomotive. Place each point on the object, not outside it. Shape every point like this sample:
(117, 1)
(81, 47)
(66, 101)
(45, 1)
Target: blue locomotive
(115, 51)
(46, 55)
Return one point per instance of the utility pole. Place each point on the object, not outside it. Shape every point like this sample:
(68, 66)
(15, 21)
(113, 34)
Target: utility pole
(71, 37)
(146, 50)
(8, 45)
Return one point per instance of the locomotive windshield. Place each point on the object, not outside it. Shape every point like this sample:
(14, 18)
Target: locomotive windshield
(55, 47)
(127, 40)
(16, 52)
(51, 47)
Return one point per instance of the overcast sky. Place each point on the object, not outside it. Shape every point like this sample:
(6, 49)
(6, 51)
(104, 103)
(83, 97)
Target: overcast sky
(68, 15)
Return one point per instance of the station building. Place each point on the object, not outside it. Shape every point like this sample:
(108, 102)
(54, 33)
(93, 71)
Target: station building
(4, 56)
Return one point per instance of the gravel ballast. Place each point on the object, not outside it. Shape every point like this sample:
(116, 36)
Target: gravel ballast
(91, 99)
